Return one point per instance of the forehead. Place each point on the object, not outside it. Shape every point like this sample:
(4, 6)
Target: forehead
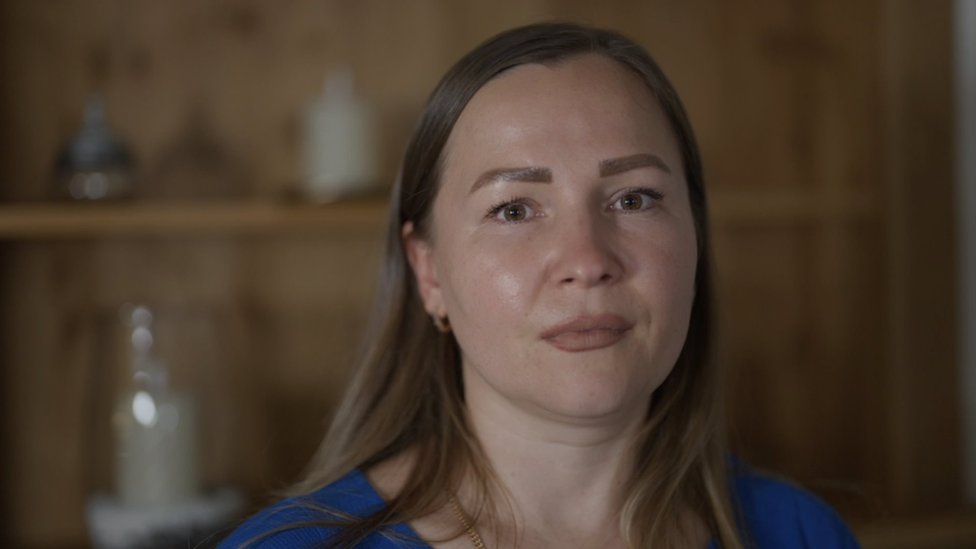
(537, 113)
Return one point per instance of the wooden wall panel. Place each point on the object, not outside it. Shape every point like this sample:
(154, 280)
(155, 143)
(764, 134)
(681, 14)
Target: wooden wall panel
(804, 363)
(923, 409)
(824, 127)
(265, 335)
(236, 72)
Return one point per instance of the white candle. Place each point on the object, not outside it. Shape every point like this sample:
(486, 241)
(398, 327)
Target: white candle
(156, 449)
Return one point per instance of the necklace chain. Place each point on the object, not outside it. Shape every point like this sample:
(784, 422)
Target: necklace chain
(466, 523)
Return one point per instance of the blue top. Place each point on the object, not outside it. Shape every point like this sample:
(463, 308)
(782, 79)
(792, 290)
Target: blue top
(776, 514)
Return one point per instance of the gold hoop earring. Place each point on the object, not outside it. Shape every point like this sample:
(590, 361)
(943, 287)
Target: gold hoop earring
(443, 324)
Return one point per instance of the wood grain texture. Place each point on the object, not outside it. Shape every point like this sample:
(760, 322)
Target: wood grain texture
(923, 408)
(825, 128)
(64, 220)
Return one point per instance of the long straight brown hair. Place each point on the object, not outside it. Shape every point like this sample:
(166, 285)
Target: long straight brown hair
(407, 392)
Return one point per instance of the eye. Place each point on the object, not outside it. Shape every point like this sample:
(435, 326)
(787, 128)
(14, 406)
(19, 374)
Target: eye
(511, 211)
(636, 200)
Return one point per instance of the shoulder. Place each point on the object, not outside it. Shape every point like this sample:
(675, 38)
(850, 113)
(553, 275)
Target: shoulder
(303, 521)
(778, 513)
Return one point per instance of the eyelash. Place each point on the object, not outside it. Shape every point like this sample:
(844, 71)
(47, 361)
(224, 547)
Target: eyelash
(655, 195)
(497, 208)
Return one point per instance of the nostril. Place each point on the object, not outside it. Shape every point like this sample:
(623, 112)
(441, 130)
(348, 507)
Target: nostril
(603, 278)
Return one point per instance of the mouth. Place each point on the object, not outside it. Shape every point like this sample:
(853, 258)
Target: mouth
(587, 333)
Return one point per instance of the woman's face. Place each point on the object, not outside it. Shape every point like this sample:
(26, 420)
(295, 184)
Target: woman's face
(562, 245)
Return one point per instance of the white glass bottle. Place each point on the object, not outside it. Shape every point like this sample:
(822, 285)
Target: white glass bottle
(339, 145)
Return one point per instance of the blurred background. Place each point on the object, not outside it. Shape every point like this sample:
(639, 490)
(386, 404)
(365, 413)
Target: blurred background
(192, 203)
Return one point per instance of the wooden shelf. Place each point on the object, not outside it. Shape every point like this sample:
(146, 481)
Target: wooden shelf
(31, 221)
(71, 220)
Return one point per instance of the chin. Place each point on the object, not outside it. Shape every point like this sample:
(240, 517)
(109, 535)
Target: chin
(593, 402)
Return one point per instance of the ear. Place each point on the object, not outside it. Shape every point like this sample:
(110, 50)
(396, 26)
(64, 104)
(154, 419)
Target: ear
(420, 256)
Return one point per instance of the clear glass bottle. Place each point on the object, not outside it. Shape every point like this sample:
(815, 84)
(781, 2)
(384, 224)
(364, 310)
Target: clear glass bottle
(94, 164)
(154, 425)
(149, 483)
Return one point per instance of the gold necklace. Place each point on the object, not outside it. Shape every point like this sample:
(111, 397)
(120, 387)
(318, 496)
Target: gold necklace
(466, 522)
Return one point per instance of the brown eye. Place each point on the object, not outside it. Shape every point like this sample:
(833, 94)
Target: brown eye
(636, 200)
(514, 212)
(631, 201)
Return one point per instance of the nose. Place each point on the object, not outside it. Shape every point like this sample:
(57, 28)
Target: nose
(584, 253)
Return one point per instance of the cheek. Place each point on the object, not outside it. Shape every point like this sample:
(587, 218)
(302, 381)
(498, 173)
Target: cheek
(491, 283)
(668, 282)
(508, 288)
(676, 270)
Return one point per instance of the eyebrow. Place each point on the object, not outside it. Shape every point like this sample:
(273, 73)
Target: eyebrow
(611, 166)
(614, 166)
(526, 175)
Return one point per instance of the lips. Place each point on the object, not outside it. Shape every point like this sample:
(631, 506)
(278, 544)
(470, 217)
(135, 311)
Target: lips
(587, 333)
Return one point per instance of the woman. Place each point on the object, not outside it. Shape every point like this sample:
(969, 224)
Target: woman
(538, 373)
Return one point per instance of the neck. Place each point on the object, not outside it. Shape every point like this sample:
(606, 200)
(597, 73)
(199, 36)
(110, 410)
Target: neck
(564, 476)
